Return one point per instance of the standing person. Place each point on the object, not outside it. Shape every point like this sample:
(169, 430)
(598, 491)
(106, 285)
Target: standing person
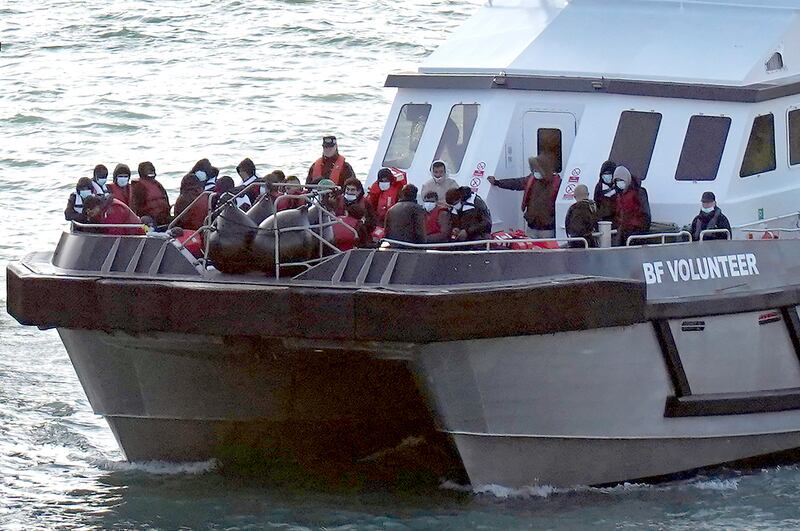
(109, 211)
(709, 218)
(99, 179)
(440, 181)
(605, 193)
(631, 214)
(247, 171)
(149, 197)
(471, 218)
(438, 226)
(405, 221)
(354, 193)
(581, 220)
(539, 200)
(331, 165)
(383, 193)
(120, 188)
(75, 210)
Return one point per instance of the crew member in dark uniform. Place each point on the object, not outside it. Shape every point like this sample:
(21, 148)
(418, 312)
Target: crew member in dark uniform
(405, 221)
(710, 217)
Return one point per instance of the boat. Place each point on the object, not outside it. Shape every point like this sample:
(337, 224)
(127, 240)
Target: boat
(568, 366)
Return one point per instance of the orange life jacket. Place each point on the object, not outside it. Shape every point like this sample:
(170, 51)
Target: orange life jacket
(336, 170)
(432, 220)
(152, 201)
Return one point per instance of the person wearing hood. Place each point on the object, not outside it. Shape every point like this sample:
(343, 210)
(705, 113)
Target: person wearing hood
(149, 198)
(405, 221)
(331, 165)
(354, 193)
(225, 190)
(191, 189)
(121, 188)
(539, 199)
(471, 218)
(709, 218)
(206, 174)
(247, 171)
(605, 193)
(438, 226)
(440, 181)
(75, 210)
(384, 192)
(99, 179)
(581, 220)
(285, 204)
(632, 214)
(109, 211)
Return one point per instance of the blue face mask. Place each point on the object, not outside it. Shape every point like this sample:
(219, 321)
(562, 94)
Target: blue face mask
(201, 175)
(84, 193)
(102, 182)
(122, 181)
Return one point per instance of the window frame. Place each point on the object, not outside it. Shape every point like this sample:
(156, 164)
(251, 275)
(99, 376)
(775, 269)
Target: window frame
(636, 172)
(789, 111)
(394, 130)
(747, 147)
(558, 166)
(721, 151)
(437, 154)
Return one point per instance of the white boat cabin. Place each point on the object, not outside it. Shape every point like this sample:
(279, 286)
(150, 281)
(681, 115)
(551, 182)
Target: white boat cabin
(690, 95)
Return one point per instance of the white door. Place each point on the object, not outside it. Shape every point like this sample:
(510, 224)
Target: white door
(550, 134)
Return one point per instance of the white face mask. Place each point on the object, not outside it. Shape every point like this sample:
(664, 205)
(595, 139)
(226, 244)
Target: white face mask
(607, 178)
(102, 182)
(262, 190)
(84, 193)
(123, 181)
(429, 205)
(457, 207)
(537, 175)
(622, 185)
(384, 185)
(201, 175)
(707, 210)
(350, 197)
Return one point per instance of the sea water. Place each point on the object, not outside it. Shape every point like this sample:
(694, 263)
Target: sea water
(88, 82)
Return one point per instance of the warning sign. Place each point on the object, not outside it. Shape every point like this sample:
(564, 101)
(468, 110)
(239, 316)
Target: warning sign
(569, 191)
(475, 183)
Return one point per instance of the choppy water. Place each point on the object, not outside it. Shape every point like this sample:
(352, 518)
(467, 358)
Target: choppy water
(174, 81)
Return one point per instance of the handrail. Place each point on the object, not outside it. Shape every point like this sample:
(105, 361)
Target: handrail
(488, 243)
(108, 225)
(726, 232)
(662, 235)
(769, 220)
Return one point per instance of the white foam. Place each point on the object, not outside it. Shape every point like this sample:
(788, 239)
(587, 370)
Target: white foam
(161, 468)
(717, 484)
(499, 491)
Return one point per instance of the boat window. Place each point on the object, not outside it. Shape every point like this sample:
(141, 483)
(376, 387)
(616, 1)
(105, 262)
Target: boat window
(548, 143)
(794, 137)
(635, 140)
(702, 148)
(456, 135)
(760, 154)
(406, 136)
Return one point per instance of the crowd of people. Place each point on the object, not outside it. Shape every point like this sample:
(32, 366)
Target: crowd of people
(389, 209)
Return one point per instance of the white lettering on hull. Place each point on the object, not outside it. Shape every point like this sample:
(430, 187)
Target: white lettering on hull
(704, 268)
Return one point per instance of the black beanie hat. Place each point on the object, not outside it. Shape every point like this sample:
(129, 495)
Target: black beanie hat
(385, 173)
(608, 167)
(100, 172)
(708, 197)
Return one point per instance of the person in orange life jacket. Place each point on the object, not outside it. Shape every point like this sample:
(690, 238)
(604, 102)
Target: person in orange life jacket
(471, 218)
(247, 171)
(710, 217)
(440, 182)
(354, 193)
(632, 211)
(605, 193)
(76, 211)
(405, 221)
(581, 220)
(148, 197)
(438, 226)
(121, 188)
(331, 165)
(206, 174)
(284, 204)
(109, 211)
(191, 189)
(99, 179)
(354, 217)
(539, 200)
(383, 194)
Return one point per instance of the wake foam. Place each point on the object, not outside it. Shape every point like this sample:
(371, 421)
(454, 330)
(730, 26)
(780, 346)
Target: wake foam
(160, 468)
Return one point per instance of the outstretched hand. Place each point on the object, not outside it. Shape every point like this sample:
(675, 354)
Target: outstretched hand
(491, 179)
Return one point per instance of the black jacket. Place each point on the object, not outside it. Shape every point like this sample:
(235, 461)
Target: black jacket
(474, 217)
(405, 222)
(581, 220)
(712, 220)
(70, 214)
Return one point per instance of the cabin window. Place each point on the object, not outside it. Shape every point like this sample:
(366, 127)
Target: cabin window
(702, 148)
(406, 136)
(456, 135)
(635, 140)
(548, 144)
(759, 157)
(794, 137)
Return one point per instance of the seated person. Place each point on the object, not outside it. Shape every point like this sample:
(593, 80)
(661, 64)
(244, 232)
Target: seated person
(109, 211)
(76, 210)
(270, 180)
(247, 172)
(121, 188)
(440, 181)
(405, 221)
(148, 197)
(206, 174)
(99, 179)
(295, 188)
(191, 189)
(710, 217)
(581, 220)
(632, 209)
(438, 227)
(383, 194)
(471, 218)
(605, 193)
(354, 217)
(354, 193)
(225, 191)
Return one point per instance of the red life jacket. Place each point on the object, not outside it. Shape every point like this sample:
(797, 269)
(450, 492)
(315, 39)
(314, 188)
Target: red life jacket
(152, 201)
(193, 245)
(432, 220)
(555, 183)
(383, 200)
(344, 238)
(629, 216)
(196, 216)
(122, 194)
(118, 213)
(336, 170)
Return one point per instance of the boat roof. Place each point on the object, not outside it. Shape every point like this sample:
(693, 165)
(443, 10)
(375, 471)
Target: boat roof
(724, 42)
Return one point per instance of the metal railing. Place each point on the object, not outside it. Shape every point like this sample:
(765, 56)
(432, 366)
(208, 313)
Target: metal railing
(499, 245)
(140, 226)
(661, 235)
(746, 226)
(704, 233)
